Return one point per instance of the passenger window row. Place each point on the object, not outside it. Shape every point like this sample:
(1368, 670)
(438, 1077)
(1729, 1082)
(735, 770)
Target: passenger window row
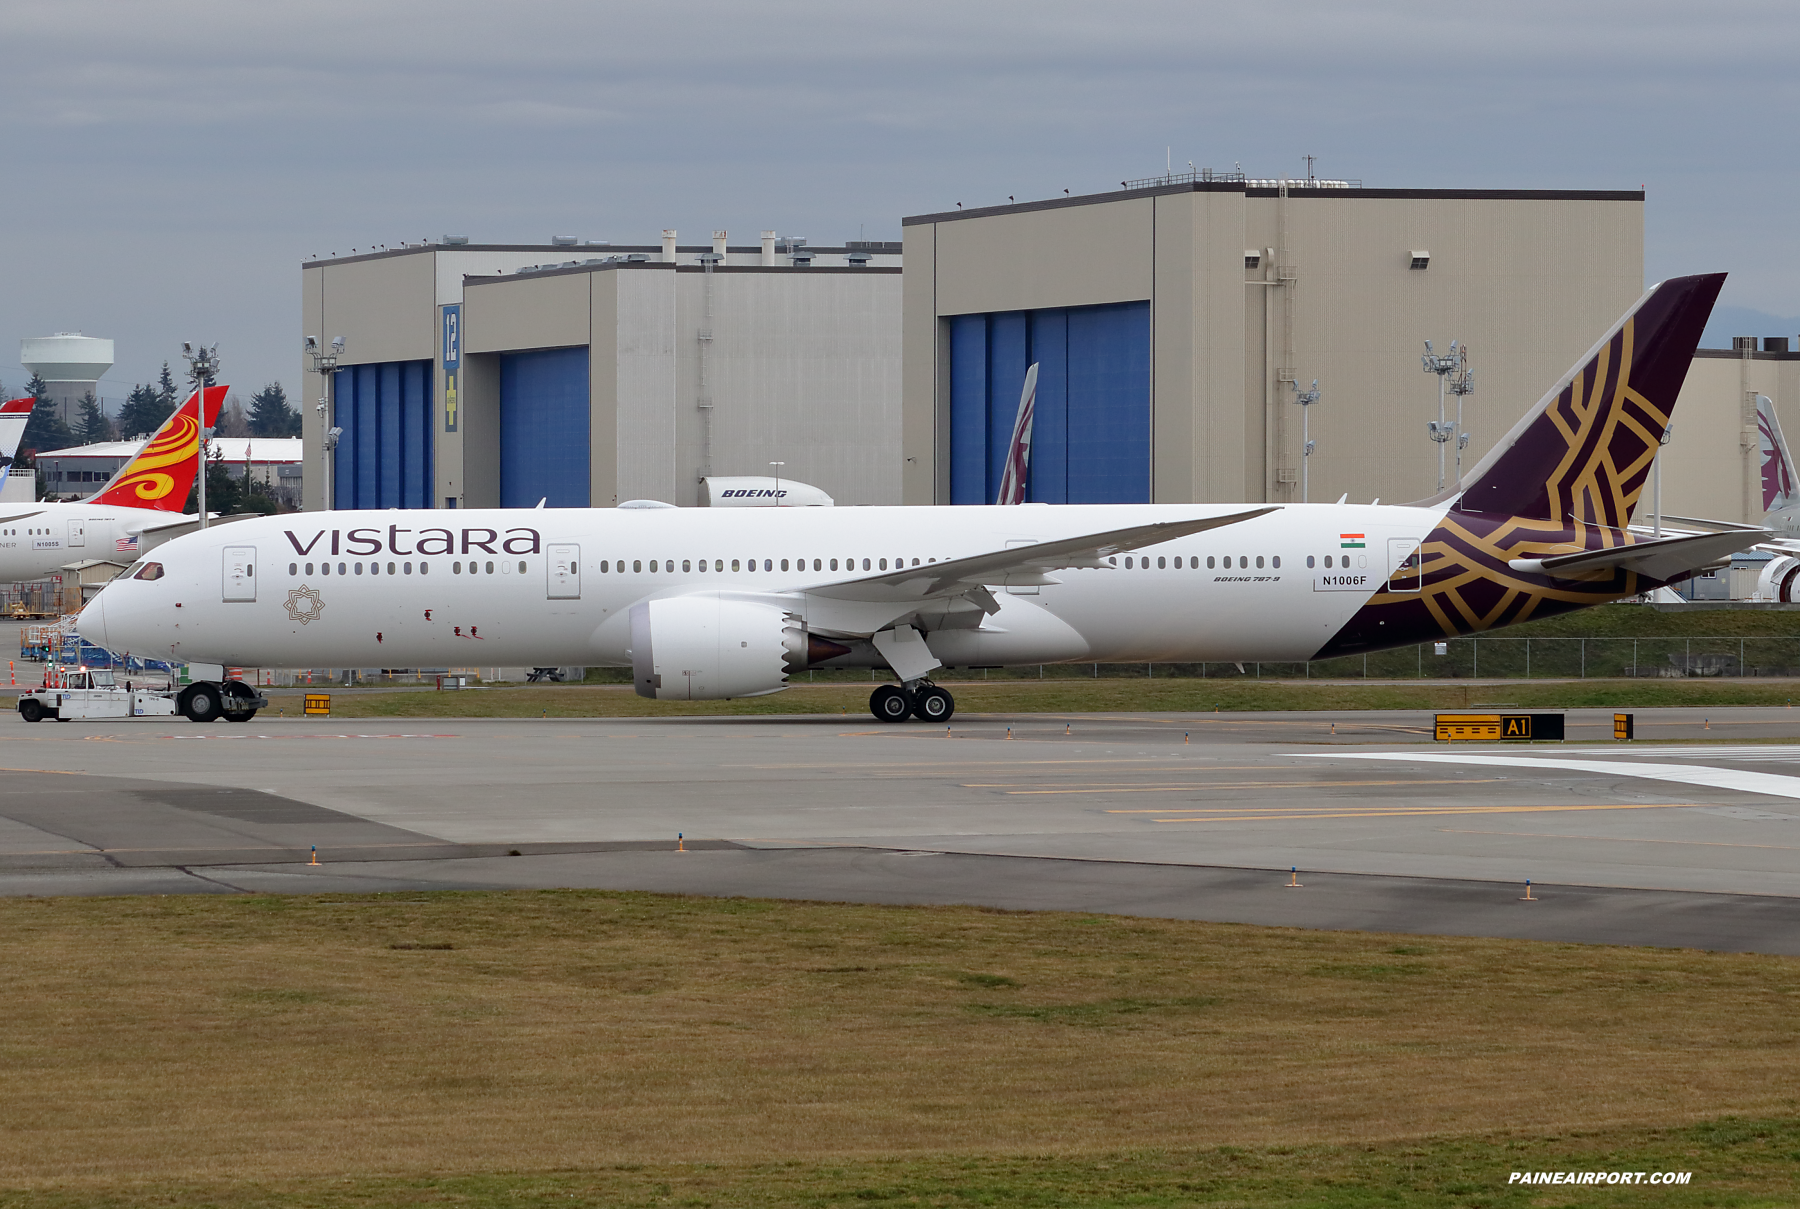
(1343, 560)
(357, 568)
(666, 566)
(505, 567)
(1193, 562)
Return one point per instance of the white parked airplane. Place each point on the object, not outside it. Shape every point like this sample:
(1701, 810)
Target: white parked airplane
(702, 603)
(142, 501)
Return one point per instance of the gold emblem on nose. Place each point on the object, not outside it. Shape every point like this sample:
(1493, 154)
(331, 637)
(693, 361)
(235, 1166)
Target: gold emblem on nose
(303, 604)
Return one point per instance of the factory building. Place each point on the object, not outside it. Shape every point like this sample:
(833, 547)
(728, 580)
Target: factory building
(1711, 466)
(273, 463)
(1173, 320)
(585, 375)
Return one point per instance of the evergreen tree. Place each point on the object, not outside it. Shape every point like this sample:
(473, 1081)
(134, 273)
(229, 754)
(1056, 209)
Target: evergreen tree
(231, 422)
(270, 415)
(165, 390)
(93, 427)
(45, 429)
(144, 412)
(226, 495)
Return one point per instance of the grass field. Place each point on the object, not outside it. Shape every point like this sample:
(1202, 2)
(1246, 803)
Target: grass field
(630, 1049)
(1060, 696)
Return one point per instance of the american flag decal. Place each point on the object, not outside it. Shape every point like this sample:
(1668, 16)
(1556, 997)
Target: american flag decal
(125, 545)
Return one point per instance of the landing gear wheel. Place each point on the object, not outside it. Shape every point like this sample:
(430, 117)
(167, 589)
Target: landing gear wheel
(31, 711)
(233, 704)
(200, 703)
(933, 704)
(889, 703)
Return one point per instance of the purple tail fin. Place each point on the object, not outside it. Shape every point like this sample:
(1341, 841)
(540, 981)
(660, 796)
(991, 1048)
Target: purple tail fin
(1582, 454)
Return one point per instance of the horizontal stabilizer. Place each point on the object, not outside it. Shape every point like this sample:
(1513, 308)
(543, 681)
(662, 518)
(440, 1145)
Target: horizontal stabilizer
(1662, 559)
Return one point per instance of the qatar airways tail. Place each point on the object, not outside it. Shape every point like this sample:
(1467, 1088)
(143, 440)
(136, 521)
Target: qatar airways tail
(1780, 494)
(705, 603)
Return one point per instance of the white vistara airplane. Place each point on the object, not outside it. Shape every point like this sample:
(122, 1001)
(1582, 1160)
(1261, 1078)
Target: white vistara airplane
(140, 504)
(701, 603)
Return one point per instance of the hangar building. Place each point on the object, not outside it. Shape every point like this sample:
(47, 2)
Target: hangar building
(1712, 466)
(1172, 319)
(584, 375)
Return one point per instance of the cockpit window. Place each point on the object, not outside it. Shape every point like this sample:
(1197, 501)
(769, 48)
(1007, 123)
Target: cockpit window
(149, 571)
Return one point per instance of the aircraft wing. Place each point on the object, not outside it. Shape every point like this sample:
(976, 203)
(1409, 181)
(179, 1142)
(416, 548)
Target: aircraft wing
(1018, 565)
(1660, 558)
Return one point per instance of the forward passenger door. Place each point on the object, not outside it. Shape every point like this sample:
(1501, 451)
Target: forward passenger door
(240, 573)
(565, 572)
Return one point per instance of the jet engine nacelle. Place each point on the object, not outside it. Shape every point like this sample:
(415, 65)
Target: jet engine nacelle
(1779, 580)
(706, 645)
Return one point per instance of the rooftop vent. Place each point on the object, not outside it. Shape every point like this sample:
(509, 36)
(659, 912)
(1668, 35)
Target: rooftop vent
(1420, 260)
(1775, 344)
(802, 257)
(453, 241)
(564, 241)
(1743, 344)
(859, 258)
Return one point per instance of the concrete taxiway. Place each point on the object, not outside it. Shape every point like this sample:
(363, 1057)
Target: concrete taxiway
(1690, 836)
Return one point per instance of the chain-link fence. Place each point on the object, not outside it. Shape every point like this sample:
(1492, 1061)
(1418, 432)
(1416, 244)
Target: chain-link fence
(1488, 659)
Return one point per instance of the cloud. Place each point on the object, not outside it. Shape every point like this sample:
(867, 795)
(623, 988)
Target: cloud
(169, 162)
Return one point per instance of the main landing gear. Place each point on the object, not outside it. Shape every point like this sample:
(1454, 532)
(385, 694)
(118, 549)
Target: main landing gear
(922, 700)
(208, 702)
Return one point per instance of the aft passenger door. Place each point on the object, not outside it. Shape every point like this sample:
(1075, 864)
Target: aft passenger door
(565, 572)
(1404, 564)
(77, 534)
(240, 573)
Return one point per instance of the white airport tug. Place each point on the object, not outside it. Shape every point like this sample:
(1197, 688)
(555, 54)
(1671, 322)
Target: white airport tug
(84, 693)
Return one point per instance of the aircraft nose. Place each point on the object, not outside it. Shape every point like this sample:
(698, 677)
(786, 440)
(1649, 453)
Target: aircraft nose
(91, 625)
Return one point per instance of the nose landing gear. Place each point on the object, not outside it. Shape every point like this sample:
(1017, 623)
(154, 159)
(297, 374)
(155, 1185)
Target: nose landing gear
(922, 700)
(208, 702)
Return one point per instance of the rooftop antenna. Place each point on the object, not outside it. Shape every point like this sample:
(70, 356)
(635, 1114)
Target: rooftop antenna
(1309, 168)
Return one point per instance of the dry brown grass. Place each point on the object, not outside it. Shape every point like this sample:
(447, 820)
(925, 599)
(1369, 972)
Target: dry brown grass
(228, 1038)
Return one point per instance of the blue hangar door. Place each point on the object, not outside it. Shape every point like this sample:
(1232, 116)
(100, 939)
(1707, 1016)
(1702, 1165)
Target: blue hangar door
(1090, 433)
(383, 457)
(544, 429)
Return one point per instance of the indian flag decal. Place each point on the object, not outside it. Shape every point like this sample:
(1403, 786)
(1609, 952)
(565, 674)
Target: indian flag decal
(1351, 541)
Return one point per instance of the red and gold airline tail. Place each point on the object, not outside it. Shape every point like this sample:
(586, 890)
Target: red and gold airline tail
(162, 473)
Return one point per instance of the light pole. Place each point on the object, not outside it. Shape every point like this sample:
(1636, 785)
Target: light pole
(1462, 385)
(1440, 429)
(1305, 398)
(203, 365)
(325, 365)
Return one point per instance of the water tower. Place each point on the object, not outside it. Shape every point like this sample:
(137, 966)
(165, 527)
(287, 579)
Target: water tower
(70, 365)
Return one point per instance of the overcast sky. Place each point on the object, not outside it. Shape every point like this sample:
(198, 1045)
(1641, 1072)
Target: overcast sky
(167, 164)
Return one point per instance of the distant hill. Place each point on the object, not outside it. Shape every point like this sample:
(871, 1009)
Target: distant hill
(1729, 321)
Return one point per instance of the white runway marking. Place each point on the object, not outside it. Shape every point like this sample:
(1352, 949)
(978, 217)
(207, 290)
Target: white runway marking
(1684, 774)
(1773, 752)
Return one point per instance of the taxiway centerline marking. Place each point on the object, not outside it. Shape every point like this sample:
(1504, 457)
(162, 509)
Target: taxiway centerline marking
(1450, 810)
(1234, 785)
